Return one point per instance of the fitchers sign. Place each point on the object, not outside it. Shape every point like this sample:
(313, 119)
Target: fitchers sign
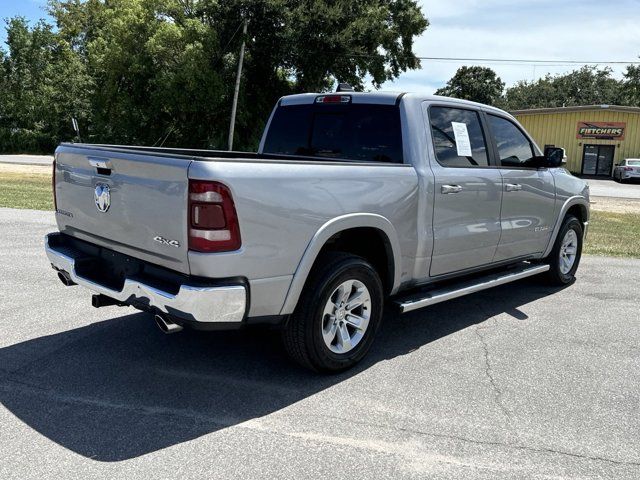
(601, 130)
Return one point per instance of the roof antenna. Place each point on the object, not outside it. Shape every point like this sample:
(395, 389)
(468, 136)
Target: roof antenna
(344, 87)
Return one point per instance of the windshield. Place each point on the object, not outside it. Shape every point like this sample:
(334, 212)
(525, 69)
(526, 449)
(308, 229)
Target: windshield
(361, 132)
(633, 163)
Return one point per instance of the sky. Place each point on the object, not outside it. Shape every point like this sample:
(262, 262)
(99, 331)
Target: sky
(585, 30)
(31, 9)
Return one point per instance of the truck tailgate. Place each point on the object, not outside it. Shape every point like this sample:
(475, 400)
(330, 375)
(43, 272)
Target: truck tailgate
(129, 202)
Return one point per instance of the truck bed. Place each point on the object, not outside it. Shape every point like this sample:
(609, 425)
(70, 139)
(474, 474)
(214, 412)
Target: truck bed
(221, 155)
(282, 203)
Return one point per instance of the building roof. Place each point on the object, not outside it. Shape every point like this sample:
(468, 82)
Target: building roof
(543, 111)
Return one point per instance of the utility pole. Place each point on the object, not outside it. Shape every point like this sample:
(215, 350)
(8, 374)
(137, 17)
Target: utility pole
(234, 106)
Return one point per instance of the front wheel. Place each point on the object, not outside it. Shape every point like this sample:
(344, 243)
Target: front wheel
(337, 316)
(567, 251)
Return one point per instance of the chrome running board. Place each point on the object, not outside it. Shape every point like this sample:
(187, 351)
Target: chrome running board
(431, 297)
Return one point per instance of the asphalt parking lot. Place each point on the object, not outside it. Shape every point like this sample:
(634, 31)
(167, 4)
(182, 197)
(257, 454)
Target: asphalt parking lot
(609, 188)
(519, 382)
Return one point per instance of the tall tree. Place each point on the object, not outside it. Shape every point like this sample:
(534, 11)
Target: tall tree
(164, 69)
(586, 86)
(525, 94)
(479, 84)
(631, 86)
(42, 85)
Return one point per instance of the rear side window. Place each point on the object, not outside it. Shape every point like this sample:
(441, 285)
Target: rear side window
(458, 138)
(514, 148)
(362, 132)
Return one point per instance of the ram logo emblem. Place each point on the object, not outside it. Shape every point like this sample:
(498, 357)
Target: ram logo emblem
(102, 197)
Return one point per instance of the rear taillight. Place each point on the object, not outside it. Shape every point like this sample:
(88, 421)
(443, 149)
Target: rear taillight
(628, 169)
(213, 222)
(53, 185)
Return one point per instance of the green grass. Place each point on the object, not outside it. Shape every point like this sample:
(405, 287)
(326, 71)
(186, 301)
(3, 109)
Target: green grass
(613, 234)
(610, 234)
(26, 190)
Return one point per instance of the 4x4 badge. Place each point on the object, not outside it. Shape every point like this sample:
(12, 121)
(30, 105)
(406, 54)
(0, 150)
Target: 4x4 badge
(164, 241)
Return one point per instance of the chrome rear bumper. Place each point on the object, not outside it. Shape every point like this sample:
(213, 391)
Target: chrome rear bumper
(203, 305)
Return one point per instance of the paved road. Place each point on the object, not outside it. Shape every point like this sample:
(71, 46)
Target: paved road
(27, 159)
(521, 382)
(609, 188)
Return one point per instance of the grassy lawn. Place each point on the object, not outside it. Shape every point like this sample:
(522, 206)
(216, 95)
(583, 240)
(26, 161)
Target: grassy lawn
(611, 234)
(26, 190)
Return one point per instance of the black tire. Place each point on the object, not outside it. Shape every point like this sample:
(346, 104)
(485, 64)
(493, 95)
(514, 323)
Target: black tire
(302, 335)
(555, 276)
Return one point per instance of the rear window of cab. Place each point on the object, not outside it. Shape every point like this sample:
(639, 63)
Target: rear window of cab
(358, 132)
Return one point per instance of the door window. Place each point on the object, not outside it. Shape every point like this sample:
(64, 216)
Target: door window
(458, 138)
(514, 148)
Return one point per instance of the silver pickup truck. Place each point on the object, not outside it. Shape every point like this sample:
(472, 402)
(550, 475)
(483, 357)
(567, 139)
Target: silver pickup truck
(352, 199)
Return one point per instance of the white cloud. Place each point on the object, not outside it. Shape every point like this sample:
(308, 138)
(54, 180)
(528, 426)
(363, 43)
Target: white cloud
(583, 30)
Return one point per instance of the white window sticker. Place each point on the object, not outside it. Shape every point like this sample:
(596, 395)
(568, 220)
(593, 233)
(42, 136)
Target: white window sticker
(463, 144)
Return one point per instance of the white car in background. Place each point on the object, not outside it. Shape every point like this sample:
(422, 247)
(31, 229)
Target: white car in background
(628, 169)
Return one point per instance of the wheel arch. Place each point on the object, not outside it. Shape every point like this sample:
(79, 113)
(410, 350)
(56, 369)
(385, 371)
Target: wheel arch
(331, 230)
(577, 206)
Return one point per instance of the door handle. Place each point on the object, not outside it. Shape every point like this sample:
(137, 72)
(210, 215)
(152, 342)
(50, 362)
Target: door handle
(98, 162)
(447, 189)
(513, 187)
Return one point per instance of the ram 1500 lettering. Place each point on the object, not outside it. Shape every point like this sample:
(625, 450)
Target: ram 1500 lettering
(353, 199)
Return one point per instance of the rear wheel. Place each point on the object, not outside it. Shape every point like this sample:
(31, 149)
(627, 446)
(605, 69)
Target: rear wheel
(337, 316)
(567, 251)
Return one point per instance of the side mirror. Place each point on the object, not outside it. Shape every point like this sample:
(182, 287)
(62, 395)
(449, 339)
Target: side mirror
(554, 157)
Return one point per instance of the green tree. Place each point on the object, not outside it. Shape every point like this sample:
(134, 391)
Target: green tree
(479, 84)
(586, 86)
(42, 85)
(525, 94)
(631, 86)
(164, 69)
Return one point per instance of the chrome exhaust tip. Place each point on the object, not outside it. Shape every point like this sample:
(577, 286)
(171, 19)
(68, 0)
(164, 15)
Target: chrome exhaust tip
(165, 324)
(65, 278)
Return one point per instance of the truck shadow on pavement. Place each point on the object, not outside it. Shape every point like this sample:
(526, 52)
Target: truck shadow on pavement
(120, 388)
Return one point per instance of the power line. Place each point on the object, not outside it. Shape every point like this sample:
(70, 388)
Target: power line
(519, 61)
(527, 61)
(232, 36)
